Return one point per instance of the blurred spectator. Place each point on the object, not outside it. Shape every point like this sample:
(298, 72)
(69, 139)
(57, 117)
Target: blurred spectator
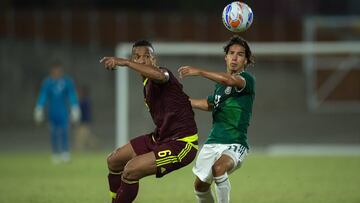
(58, 95)
(84, 138)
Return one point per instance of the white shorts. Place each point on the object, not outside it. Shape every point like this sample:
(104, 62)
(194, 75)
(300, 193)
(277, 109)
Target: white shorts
(210, 153)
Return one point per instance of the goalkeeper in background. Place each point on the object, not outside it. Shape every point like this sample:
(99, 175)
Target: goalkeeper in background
(58, 96)
(231, 104)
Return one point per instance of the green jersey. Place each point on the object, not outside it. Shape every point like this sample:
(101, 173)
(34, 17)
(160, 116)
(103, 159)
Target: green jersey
(232, 112)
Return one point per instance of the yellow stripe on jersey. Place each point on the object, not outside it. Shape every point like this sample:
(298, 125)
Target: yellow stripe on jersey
(112, 194)
(190, 140)
(145, 81)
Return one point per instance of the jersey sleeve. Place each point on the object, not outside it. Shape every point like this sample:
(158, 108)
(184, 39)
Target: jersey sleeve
(250, 82)
(168, 76)
(72, 95)
(211, 98)
(43, 94)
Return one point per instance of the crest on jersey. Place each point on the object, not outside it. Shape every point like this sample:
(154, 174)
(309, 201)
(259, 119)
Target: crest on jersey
(228, 90)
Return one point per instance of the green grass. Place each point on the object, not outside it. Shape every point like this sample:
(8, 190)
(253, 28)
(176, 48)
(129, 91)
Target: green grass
(32, 178)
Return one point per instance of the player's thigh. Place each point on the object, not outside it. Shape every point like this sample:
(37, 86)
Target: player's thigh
(237, 153)
(119, 157)
(140, 166)
(206, 158)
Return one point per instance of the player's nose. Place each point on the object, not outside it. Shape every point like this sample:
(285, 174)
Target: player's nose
(141, 60)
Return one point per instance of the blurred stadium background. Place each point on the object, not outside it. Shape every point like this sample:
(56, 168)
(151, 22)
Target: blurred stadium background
(302, 98)
(307, 100)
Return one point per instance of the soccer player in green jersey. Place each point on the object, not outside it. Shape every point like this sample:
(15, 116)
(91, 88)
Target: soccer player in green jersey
(231, 104)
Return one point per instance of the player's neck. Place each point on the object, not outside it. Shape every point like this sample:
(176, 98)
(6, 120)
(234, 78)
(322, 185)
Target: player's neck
(232, 72)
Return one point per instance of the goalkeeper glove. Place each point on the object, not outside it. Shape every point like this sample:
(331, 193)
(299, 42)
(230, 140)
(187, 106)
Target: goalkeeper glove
(38, 115)
(75, 114)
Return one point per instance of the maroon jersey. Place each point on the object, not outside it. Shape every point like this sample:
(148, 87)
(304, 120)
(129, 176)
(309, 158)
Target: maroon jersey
(170, 109)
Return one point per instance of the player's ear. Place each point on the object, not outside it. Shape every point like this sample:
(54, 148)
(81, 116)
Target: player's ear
(154, 60)
(132, 56)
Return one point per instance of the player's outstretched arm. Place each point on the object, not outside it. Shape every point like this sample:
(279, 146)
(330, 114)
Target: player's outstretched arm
(150, 72)
(220, 77)
(201, 104)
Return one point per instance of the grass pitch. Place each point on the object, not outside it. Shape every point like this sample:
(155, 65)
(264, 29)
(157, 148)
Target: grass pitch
(32, 178)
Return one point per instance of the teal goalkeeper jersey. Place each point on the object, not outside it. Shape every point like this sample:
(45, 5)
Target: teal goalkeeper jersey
(232, 112)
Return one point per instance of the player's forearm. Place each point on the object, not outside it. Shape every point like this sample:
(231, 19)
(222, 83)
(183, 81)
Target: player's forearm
(42, 97)
(41, 101)
(222, 78)
(147, 71)
(201, 104)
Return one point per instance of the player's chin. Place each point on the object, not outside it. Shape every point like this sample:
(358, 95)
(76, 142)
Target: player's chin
(234, 67)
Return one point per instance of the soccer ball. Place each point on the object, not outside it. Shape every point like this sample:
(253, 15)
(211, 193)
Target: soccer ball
(237, 16)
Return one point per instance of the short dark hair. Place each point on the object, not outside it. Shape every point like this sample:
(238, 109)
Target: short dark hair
(236, 39)
(143, 43)
(56, 64)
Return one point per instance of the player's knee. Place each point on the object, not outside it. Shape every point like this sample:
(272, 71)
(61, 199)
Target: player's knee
(201, 186)
(131, 172)
(114, 164)
(218, 170)
(110, 161)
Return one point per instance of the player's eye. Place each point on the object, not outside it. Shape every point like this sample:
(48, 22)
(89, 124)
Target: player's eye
(136, 57)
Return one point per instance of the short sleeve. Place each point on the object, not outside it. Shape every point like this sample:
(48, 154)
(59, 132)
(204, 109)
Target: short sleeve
(250, 82)
(210, 99)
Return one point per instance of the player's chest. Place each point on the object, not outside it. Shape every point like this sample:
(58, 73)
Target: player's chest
(57, 87)
(224, 91)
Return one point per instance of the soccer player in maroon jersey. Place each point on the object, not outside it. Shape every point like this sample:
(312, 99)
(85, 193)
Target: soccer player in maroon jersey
(172, 144)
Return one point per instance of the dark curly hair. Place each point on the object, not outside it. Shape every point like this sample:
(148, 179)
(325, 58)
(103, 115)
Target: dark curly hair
(236, 39)
(143, 43)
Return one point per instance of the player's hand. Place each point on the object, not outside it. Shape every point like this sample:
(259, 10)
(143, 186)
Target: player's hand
(38, 115)
(75, 114)
(185, 71)
(110, 63)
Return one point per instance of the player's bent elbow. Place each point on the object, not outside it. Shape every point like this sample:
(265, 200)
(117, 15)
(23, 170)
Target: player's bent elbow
(161, 77)
(231, 82)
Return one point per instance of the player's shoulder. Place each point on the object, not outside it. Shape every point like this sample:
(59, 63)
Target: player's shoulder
(47, 80)
(164, 69)
(67, 79)
(168, 73)
(248, 76)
